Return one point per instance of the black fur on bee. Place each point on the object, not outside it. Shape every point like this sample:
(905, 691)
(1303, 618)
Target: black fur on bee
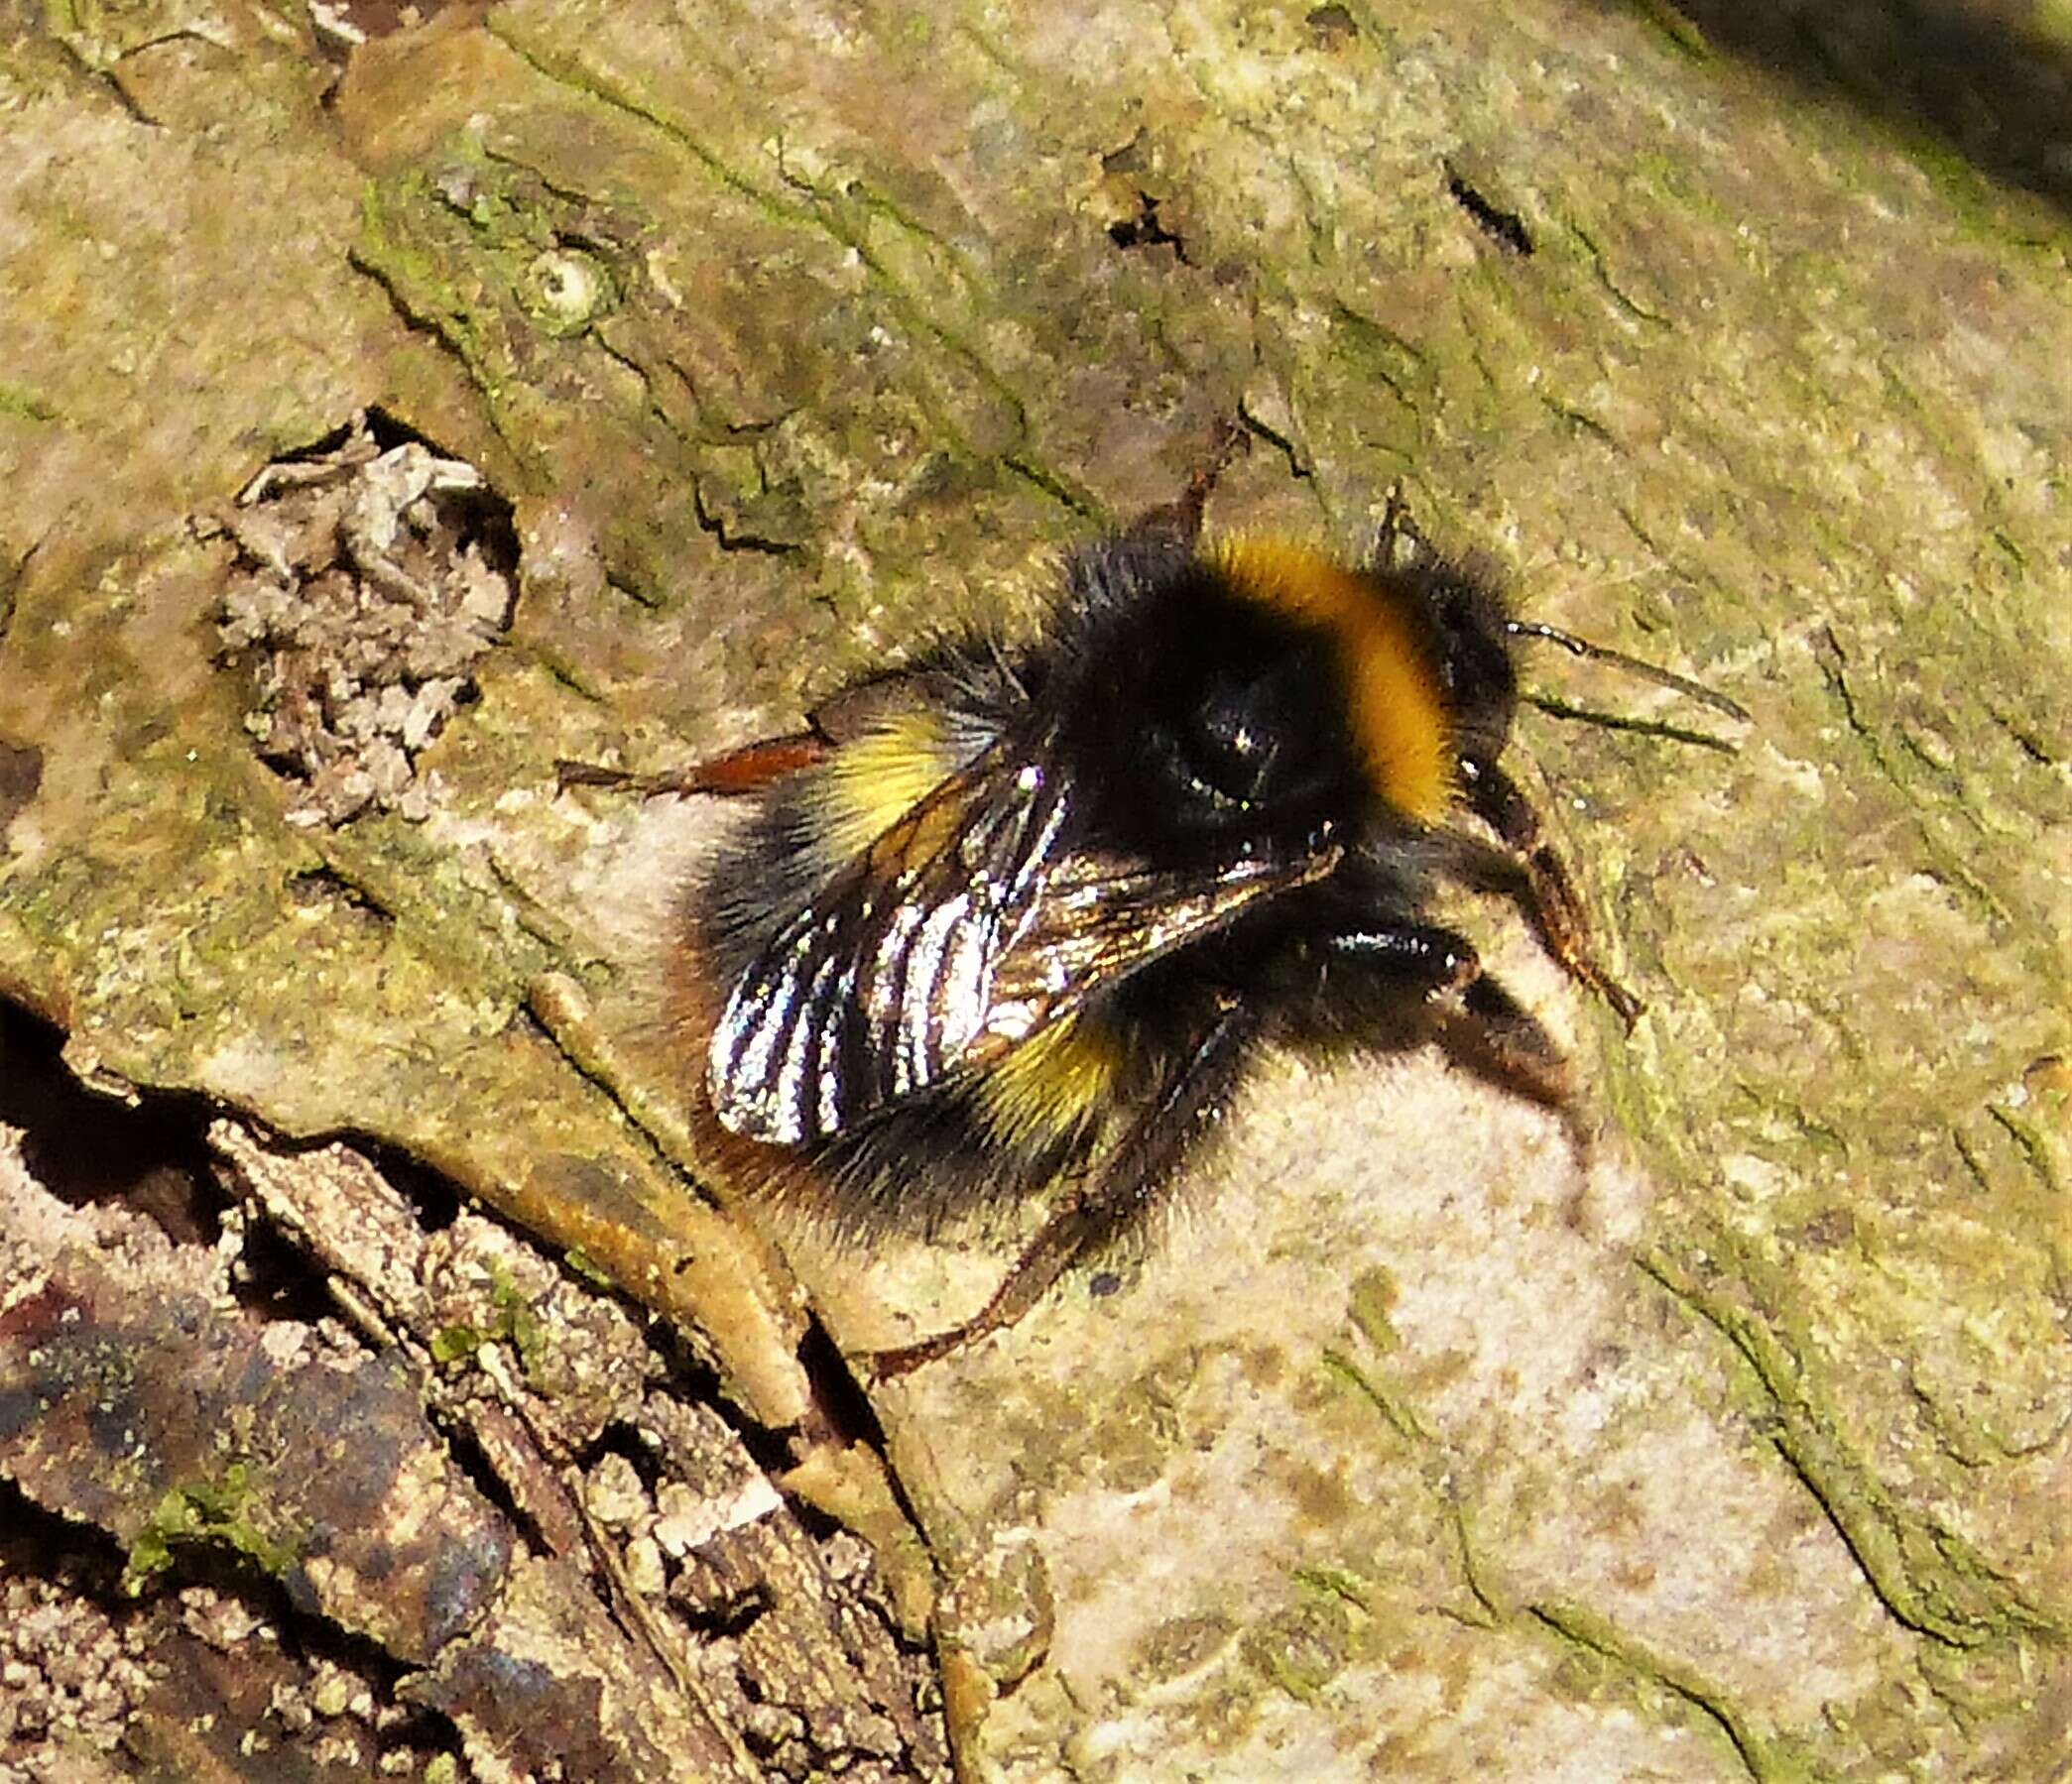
(1007, 920)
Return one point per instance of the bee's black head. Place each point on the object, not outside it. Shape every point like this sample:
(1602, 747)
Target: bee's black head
(1467, 636)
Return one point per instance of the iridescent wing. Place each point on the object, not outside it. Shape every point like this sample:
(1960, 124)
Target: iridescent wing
(968, 926)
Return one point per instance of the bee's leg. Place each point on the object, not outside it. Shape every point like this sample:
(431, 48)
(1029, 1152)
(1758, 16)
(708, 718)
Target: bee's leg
(1488, 1031)
(747, 770)
(754, 766)
(1180, 520)
(1131, 1178)
(1547, 895)
(1360, 979)
(1398, 545)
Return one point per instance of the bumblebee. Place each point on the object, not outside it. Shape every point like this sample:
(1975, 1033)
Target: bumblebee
(1006, 919)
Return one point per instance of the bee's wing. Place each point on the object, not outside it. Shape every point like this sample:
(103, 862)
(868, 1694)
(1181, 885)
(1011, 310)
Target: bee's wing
(1098, 920)
(963, 930)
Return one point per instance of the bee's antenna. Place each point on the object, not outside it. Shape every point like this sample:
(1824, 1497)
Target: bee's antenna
(1633, 665)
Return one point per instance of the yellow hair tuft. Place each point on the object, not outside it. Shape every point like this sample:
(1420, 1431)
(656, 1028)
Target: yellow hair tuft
(875, 780)
(1052, 1085)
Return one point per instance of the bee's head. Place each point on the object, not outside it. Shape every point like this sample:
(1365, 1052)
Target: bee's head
(1469, 641)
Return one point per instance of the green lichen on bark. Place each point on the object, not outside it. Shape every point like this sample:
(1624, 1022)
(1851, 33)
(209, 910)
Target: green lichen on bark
(1925, 1572)
(1765, 1761)
(206, 1511)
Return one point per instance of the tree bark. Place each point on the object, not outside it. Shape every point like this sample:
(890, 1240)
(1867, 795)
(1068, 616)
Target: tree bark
(1719, 1430)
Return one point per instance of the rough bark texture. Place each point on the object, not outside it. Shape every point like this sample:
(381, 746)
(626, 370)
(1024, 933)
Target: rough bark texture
(1724, 1437)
